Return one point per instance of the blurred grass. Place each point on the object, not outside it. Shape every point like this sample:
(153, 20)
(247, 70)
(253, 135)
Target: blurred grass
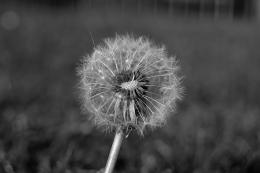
(217, 126)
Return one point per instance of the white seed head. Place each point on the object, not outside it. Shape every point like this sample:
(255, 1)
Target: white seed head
(130, 83)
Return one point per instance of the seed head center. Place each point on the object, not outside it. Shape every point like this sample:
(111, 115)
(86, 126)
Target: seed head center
(130, 85)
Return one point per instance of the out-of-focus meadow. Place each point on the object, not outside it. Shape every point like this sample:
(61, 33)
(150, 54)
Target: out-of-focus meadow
(216, 127)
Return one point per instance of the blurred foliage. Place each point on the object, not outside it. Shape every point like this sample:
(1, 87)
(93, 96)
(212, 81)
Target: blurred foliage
(216, 128)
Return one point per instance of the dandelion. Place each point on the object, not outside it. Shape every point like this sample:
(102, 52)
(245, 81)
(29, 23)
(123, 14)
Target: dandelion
(129, 84)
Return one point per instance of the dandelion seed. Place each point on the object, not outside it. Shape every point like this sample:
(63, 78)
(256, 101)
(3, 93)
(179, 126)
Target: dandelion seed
(129, 82)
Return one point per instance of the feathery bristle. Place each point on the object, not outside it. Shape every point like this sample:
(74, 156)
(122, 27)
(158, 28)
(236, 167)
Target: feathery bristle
(129, 82)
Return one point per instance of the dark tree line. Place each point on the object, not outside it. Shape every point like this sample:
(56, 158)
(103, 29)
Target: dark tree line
(238, 8)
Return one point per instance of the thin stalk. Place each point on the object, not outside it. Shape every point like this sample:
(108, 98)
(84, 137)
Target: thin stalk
(114, 151)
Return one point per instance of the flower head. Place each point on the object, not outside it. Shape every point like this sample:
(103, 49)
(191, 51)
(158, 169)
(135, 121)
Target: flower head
(130, 83)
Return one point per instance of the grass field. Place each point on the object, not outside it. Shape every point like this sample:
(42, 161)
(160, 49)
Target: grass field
(216, 127)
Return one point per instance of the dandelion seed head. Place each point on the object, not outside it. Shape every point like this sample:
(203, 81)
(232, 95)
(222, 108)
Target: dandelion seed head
(130, 83)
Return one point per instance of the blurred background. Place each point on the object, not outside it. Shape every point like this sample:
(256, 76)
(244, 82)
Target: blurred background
(216, 128)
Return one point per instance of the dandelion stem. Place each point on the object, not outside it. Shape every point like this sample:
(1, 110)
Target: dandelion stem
(114, 151)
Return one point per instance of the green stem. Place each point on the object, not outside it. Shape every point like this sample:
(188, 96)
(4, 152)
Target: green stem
(114, 151)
